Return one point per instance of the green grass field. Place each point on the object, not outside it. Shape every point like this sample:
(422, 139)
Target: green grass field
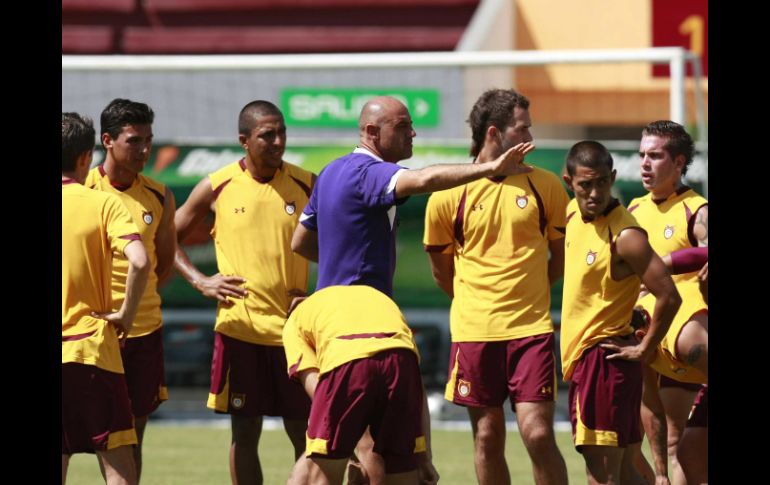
(198, 456)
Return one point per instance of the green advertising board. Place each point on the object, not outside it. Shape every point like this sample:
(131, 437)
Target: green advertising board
(340, 108)
(182, 166)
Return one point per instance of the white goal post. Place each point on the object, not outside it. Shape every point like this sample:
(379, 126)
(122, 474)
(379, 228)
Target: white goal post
(676, 57)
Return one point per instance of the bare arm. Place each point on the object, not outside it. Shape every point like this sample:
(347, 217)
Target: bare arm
(136, 281)
(637, 256)
(556, 263)
(305, 243)
(309, 380)
(441, 177)
(701, 227)
(654, 422)
(443, 268)
(165, 239)
(187, 217)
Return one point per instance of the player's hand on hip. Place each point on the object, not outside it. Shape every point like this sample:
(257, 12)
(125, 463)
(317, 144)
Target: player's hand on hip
(221, 287)
(121, 322)
(626, 349)
(297, 297)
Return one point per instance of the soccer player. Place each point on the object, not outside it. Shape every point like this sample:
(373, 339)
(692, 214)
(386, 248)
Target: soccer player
(675, 217)
(349, 224)
(355, 355)
(257, 201)
(606, 257)
(126, 134)
(96, 411)
(489, 243)
(691, 453)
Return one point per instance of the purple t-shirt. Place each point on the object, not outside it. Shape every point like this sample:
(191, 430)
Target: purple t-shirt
(352, 208)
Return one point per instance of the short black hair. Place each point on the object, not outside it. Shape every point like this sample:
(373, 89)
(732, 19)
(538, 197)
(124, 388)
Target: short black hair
(249, 114)
(77, 138)
(588, 153)
(639, 318)
(678, 141)
(493, 108)
(121, 112)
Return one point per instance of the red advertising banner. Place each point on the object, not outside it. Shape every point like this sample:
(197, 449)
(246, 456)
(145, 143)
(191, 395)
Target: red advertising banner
(681, 23)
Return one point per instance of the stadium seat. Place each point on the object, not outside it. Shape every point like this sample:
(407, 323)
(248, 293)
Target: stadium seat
(262, 26)
(210, 40)
(119, 6)
(87, 40)
(227, 5)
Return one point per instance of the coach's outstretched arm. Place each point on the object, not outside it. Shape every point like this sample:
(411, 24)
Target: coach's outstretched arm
(441, 177)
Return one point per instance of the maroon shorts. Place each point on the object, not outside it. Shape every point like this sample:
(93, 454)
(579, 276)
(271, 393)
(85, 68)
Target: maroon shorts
(484, 374)
(145, 374)
(605, 398)
(699, 414)
(664, 381)
(252, 380)
(95, 410)
(384, 392)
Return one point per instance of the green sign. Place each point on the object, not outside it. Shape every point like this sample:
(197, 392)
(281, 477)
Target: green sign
(340, 108)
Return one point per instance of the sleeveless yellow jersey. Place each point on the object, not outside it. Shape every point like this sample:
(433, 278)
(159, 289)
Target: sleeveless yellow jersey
(94, 226)
(595, 306)
(252, 233)
(339, 324)
(498, 231)
(669, 226)
(144, 200)
(665, 363)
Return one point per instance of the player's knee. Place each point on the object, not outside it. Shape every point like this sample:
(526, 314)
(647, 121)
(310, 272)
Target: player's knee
(490, 440)
(246, 431)
(538, 440)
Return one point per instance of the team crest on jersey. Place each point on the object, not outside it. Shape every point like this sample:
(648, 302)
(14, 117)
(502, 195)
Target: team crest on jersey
(668, 232)
(237, 401)
(147, 217)
(463, 388)
(590, 257)
(290, 207)
(522, 201)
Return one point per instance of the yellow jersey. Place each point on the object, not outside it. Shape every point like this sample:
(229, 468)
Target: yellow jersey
(95, 225)
(595, 306)
(339, 324)
(255, 221)
(498, 231)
